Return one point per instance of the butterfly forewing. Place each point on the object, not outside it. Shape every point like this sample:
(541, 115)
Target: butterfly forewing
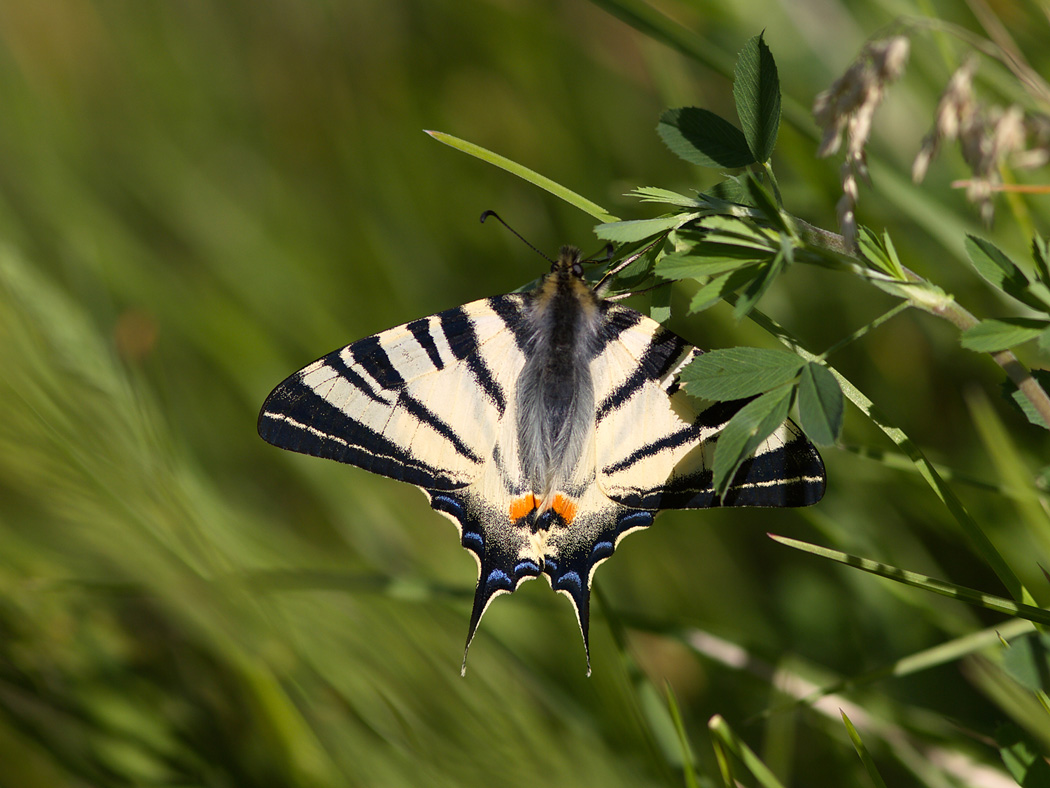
(419, 403)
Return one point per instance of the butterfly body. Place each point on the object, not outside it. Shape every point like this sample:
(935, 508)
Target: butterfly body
(546, 425)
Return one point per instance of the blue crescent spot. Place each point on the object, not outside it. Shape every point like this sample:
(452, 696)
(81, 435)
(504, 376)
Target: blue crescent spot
(473, 536)
(550, 566)
(635, 520)
(448, 503)
(606, 548)
(571, 577)
(497, 576)
(531, 566)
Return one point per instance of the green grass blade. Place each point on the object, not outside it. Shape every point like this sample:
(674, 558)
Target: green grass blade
(725, 766)
(688, 759)
(862, 751)
(523, 172)
(829, 705)
(942, 587)
(646, 19)
(727, 738)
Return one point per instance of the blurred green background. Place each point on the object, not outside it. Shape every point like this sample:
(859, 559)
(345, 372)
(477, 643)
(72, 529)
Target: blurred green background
(198, 198)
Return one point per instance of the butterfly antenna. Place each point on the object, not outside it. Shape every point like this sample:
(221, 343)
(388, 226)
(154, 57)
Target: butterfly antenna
(521, 237)
(626, 262)
(607, 256)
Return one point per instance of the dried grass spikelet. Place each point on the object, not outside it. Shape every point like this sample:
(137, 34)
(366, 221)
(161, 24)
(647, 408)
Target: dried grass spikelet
(846, 110)
(987, 137)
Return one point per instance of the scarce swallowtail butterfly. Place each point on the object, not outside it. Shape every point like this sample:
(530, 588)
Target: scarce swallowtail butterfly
(546, 425)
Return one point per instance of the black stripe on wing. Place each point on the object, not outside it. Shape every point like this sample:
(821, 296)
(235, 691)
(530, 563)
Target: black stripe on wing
(296, 418)
(463, 342)
(370, 355)
(688, 434)
(338, 365)
(420, 331)
(617, 319)
(790, 475)
(510, 309)
(664, 351)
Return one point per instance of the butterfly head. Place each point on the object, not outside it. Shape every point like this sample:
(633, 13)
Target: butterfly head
(568, 261)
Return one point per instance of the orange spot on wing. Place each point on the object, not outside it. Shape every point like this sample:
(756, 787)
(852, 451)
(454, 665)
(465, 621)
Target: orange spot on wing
(565, 507)
(521, 507)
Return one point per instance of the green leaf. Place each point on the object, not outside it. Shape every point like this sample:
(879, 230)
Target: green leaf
(707, 260)
(751, 425)
(688, 265)
(1001, 272)
(640, 229)
(1027, 661)
(880, 253)
(660, 304)
(713, 292)
(701, 137)
(1041, 256)
(989, 336)
(730, 190)
(739, 372)
(761, 283)
(763, 200)
(1043, 342)
(1021, 756)
(734, 230)
(523, 172)
(926, 469)
(1042, 377)
(756, 89)
(820, 404)
(656, 194)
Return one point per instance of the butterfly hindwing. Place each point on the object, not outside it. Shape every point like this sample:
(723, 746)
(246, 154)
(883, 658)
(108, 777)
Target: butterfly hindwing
(656, 447)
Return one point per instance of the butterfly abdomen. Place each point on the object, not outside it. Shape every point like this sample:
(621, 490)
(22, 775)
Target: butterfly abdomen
(555, 393)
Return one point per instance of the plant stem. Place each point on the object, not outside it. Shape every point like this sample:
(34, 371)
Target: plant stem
(949, 310)
(860, 332)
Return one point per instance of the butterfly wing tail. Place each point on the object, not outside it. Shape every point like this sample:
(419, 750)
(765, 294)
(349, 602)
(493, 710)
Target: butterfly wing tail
(502, 554)
(575, 553)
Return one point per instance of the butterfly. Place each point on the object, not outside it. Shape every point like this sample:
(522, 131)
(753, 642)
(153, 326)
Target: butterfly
(546, 425)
